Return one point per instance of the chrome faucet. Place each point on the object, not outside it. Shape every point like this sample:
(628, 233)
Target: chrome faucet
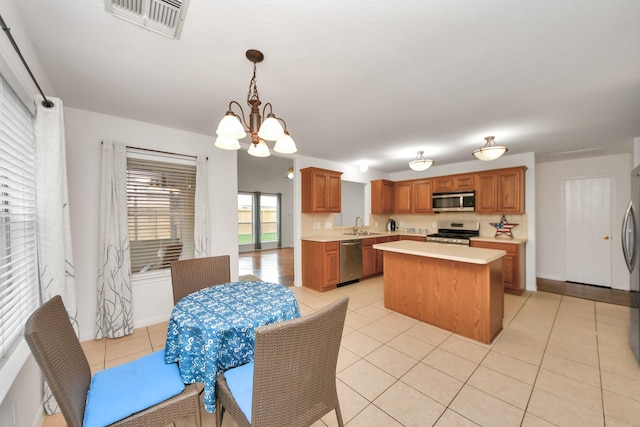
(355, 229)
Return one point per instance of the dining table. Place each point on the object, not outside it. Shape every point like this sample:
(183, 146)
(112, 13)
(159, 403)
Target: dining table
(214, 329)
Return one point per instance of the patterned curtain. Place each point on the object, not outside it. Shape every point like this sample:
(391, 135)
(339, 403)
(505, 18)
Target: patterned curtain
(114, 316)
(201, 227)
(55, 258)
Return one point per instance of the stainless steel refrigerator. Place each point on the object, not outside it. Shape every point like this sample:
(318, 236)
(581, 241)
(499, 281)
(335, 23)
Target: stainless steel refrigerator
(630, 245)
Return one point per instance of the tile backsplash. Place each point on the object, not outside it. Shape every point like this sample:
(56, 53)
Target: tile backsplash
(316, 224)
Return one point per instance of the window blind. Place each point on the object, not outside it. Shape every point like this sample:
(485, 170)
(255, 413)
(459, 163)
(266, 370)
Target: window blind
(19, 294)
(160, 206)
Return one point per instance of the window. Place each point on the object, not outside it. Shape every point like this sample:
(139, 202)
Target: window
(19, 294)
(265, 228)
(160, 205)
(268, 218)
(245, 218)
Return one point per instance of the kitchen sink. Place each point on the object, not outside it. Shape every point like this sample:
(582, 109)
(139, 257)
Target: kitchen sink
(361, 233)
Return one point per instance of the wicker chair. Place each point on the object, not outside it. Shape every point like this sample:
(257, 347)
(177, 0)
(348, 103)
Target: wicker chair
(190, 275)
(57, 351)
(294, 373)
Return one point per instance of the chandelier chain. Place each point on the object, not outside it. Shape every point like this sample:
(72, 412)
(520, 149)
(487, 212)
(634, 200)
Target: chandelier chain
(253, 84)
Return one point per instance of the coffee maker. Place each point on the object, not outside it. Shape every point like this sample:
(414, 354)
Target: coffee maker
(391, 225)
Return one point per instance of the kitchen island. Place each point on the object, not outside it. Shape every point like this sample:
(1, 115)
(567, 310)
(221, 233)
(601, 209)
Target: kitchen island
(457, 288)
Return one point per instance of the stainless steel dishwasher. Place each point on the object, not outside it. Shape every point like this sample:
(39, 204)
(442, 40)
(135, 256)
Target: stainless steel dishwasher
(350, 260)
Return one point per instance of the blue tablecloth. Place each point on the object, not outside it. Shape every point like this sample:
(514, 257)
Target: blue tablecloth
(213, 329)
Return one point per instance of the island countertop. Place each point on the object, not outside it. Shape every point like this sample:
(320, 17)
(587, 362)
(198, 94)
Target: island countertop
(458, 253)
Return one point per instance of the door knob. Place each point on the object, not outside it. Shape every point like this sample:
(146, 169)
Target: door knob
(605, 237)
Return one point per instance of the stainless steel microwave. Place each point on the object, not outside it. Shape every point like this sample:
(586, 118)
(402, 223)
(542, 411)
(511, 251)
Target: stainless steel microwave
(454, 202)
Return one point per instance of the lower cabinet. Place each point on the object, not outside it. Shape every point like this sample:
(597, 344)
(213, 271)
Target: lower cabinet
(513, 264)
(320, 265)
(368, 257)
(417, 238)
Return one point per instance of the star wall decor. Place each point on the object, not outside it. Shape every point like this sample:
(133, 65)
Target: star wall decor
(504, 227)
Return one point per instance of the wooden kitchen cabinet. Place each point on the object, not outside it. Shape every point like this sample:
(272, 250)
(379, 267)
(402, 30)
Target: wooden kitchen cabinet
(320, 265)
(448, 183)
(416, 238)
(500, 191)
(513, 264)
(382, 196)
(403, 197)
(321, 190)
(380, 254)
(369, 267)
(413, 196)
(422, 190)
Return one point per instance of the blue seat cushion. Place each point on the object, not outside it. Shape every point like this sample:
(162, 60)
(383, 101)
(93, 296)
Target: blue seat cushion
(118, 392)
(240, 383)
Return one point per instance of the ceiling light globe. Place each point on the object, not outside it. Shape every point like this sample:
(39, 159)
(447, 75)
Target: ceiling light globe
(420, 165)
(260, 150)
(285, 145)
(227, 143)
(490, 153)
(364, 167)
(271, 129)
(230, 127)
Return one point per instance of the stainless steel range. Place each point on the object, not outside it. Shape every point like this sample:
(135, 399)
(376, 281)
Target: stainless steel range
(455, 233)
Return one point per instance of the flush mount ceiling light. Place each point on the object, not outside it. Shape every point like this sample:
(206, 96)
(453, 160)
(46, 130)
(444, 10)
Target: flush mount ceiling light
(490, 151)
(233, 127)
(420, 163)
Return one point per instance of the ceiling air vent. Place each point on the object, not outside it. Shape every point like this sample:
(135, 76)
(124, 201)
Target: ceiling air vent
(162, 16)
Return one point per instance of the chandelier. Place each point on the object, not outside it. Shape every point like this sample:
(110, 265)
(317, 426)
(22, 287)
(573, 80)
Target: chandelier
(489, 151)
(420, 163)
(233, 127)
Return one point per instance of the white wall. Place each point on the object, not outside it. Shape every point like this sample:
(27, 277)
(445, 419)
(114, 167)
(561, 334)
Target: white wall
(152, 300)
(550, 211)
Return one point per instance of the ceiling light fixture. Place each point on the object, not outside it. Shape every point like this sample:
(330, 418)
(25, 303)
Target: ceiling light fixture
(290, 173)
(364, 167)
(489, 151)
(420, 163)
(233, 127)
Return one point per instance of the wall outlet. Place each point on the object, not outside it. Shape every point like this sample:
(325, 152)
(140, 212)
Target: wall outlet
(376, 224)
(401, 223)
(327, 225)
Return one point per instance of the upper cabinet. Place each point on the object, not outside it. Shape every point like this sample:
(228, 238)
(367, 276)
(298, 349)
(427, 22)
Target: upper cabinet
(404, 197)
(382, 196)
(500, 191)
(413, 196)
(460, 182)
(497, 191)
(321, 190)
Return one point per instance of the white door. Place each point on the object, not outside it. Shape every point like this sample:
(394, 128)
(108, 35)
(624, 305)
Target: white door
(588, 230)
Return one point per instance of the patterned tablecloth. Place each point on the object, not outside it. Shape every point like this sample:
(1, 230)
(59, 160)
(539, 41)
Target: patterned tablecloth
(213, 329)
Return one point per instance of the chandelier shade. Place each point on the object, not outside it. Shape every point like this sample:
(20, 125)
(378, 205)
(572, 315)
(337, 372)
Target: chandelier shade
(227, 143)
(231, 127)
(285, 145)
(259, 150)
(420, 163)
(234, 126)
(490, 151)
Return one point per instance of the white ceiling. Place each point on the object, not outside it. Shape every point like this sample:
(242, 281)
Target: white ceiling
(366, 80)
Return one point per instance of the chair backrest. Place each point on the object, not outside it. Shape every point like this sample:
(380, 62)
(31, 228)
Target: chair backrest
(190, 275)
(294, 380)
(57, 351)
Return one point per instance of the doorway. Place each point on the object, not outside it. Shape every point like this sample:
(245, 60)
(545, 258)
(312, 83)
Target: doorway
(587, 230)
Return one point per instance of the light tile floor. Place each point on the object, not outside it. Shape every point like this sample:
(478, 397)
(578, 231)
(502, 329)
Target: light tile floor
(559, 361)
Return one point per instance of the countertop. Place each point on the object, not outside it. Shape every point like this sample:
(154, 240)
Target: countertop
(438, 250)
(336, 237)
